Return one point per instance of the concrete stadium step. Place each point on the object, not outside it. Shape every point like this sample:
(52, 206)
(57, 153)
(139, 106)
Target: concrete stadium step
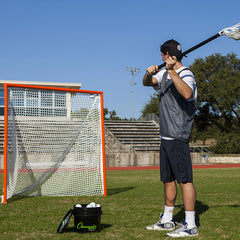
(146, 148)
(143, 142)
(128, 138)
(136, 134)
(125, 124)
(141, 136)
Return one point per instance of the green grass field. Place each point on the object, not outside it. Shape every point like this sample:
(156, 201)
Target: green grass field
(135, 199)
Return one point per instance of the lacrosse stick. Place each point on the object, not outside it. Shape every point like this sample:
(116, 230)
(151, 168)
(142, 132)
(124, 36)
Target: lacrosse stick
(230, 32)
(65, 221)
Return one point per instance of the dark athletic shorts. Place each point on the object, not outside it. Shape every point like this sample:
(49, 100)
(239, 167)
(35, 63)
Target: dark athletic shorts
(175, 161)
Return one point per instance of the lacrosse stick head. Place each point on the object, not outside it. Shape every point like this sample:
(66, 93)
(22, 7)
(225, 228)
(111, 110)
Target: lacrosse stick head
(232, 32)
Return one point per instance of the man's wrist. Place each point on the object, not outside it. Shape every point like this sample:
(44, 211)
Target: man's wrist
(148, 74)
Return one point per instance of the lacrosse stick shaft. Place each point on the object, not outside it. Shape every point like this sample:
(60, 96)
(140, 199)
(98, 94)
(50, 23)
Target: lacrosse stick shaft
(195, 47)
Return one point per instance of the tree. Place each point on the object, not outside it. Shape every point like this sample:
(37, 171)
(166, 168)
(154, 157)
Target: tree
(105, 111)
(112, 115)
(152, 106)
(218, 82)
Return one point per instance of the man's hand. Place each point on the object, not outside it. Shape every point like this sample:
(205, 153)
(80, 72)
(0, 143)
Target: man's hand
(152, 70)
(148, 79)
(170, 62)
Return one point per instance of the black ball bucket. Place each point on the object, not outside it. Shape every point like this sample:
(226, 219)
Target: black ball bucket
(87, 219)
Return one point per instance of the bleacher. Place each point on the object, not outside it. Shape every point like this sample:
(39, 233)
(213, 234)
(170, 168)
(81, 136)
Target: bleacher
(140, 135)
(43, 135)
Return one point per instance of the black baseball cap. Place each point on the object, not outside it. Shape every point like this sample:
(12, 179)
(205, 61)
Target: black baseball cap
(173, 48)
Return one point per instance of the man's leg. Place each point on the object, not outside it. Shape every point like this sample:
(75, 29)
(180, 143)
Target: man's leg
(189, 199)
(189, 196)
(166, 222)
(189, 228)
(170, 193)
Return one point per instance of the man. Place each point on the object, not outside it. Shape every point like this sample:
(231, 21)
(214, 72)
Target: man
(178, 95)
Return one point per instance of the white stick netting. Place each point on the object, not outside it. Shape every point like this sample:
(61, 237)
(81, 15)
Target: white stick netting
(232, 32)
(54, 143)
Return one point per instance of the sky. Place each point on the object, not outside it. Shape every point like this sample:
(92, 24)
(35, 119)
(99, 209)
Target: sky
(93, 42)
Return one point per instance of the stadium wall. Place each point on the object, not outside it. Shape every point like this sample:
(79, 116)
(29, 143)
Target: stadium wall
(127, 157)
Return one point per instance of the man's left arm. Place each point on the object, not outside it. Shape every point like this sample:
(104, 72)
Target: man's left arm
(180, 85)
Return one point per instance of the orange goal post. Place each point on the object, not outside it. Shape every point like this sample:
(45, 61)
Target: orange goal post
(53, 142)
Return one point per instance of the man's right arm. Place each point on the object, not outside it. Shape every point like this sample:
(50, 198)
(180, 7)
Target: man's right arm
(148, 79)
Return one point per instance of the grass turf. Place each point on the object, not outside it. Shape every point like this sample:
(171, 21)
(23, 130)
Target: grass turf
(135, 199)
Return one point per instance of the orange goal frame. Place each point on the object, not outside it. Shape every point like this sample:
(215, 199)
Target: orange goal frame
(6, 86)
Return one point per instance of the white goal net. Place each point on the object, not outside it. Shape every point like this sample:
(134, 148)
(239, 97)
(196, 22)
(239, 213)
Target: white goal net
(54, 142)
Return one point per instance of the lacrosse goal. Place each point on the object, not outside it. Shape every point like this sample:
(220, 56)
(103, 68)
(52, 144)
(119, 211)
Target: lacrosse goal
(53, 142)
